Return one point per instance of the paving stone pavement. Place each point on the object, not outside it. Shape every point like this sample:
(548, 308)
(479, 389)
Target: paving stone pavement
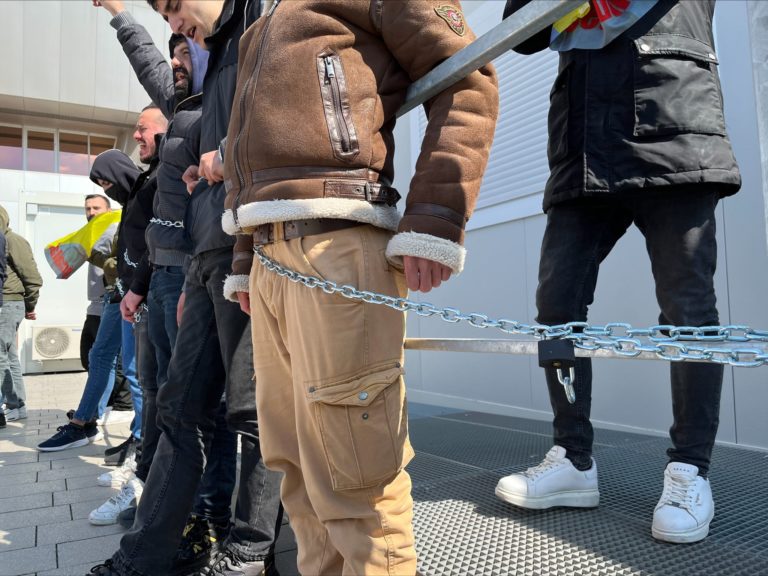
(45, 498)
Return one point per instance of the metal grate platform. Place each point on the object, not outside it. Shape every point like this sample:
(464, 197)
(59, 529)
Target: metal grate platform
(462, 529)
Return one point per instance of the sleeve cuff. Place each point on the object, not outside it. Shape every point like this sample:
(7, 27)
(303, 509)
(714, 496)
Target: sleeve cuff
(233, 284)
(125, 18)
(426, 246)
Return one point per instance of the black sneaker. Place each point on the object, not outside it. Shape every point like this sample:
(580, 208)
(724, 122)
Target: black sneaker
(68, 436)
(226, 562)
(126, 517)
(116, 456)
(201, 538)
(106, 569)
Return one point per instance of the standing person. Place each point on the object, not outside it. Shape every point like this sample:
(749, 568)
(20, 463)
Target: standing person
(329, 370)
(212, 346)
(645, 145)
(3, 264)
(20, 293)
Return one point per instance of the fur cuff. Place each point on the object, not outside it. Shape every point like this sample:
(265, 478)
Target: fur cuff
(233, 284)
(270, 211)
(426, 246)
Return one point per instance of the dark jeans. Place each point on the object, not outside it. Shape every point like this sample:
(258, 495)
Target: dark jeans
(679, 231)
(209, 335)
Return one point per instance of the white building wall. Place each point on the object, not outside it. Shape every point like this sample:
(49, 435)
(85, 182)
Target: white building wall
(503, 243)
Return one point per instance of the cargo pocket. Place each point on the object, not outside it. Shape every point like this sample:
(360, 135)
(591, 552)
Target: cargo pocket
(363, 425)
(557, 118)
(338, 115)
(676, 87)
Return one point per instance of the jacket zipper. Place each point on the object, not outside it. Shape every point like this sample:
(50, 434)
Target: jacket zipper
(331, 78)
(241, 104)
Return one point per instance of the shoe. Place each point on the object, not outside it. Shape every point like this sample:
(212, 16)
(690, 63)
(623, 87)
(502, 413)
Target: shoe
(107, 513)
(118, 477)
(117, 455)
(12, 414)
(226, 562)
(106, 569)
(115, 417)
(68, 436)
(554, 482)
(92, 432)
(126, 517)
(200, 540)
(685, 508)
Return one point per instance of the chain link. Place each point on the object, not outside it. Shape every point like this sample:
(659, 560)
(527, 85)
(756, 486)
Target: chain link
(168, 223)
(668, 342)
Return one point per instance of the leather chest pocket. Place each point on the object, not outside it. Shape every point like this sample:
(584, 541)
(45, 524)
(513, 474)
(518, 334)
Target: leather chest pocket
(676, 87)
(557, 119)
(335, 97)
(363, 425)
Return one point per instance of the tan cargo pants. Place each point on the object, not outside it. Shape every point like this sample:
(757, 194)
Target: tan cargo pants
(331, 403)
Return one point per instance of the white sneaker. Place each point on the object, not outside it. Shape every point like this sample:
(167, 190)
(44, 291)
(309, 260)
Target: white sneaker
(116, 478)
(685, 508)
(115, 417)
(12, 414)
(107, 513)
(554, 482)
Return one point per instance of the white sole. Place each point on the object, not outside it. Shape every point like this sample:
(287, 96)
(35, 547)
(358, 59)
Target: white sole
(75, 444)
(572, 499)
(102, 521)
(96, 437)
(682, 537)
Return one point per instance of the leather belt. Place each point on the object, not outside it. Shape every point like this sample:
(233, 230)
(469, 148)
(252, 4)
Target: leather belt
(270, 233)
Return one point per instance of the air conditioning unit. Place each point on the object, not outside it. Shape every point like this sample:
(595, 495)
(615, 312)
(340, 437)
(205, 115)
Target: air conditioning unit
(56, 342)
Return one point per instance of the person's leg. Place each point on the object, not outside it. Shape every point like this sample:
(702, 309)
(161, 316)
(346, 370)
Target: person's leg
(681, 242)
(146, 367)
(128, 357)
(341, 434)
(258, 513)
(12, 380)
(88, 337)
(187, 406)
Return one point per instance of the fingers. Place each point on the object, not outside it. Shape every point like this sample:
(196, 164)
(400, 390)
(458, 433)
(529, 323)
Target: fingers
(422, 275)
(245, 302)
(191, 177)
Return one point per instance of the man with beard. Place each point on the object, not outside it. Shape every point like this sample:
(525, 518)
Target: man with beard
(209, 335)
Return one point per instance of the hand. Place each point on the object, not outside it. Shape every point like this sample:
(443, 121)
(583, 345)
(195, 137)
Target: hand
(180, 308)
(421, 275)
(114, 7)
(245, 302)
(129, 305)
(31, 315)
(211, 168)
(191, 178)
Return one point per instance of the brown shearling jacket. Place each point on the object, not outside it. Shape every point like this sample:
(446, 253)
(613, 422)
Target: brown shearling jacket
(311, 130)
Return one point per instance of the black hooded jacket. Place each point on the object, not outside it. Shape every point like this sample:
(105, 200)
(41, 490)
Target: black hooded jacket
(133, 268)
(644, 113)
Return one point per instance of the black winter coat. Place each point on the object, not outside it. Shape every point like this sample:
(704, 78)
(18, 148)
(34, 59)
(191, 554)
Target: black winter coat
(207, 203)
(643, 113)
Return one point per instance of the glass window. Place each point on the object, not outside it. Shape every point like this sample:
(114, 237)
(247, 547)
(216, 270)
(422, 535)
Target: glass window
(100, 144)
(73, 153)
(10, 148)
(40, 156)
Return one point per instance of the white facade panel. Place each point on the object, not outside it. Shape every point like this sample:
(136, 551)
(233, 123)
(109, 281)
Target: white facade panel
(78, 64)
(41, 48)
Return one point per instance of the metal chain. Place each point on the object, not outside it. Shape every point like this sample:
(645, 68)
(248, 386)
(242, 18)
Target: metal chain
(168, 223)
(128, 260)
(673, 343)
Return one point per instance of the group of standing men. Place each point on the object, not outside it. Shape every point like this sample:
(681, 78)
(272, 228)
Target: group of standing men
(294, 126)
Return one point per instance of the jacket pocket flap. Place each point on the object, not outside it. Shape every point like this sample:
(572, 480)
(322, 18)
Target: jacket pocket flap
(675, 45)
(360, 389)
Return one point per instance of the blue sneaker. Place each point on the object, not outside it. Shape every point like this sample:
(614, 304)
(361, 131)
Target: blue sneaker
(68, 436)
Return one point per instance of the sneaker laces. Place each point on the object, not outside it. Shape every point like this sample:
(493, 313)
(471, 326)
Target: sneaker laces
(677, 492)
(124, 497)
(550, 461)
(224, 559)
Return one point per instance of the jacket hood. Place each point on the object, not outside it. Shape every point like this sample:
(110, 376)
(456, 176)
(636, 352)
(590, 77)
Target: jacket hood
(4, 228)
(116, 167)
(199, 66)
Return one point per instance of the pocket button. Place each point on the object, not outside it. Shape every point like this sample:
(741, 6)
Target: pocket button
(645, 47)
(363, 395)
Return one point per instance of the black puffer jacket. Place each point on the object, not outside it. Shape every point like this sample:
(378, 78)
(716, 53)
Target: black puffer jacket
(643, 113)
(207, 203)
(133, 269)
(167, 240)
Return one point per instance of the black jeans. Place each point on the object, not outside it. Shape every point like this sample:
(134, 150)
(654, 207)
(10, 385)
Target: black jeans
(209, 336)
(679, 231)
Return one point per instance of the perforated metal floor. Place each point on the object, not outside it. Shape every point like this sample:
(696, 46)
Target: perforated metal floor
(462, 529)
